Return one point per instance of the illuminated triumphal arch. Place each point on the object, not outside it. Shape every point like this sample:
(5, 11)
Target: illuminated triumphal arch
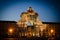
(30, 21)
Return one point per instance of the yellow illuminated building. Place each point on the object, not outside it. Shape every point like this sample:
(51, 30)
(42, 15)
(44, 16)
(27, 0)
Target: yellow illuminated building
(30, 23)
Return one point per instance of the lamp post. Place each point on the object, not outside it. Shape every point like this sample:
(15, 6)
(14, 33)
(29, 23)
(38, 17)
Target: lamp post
(10, 31)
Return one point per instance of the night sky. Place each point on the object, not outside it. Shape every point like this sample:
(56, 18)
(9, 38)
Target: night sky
(49, 11)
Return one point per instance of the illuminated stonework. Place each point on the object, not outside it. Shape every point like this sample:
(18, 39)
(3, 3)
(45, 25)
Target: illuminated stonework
(30, 18)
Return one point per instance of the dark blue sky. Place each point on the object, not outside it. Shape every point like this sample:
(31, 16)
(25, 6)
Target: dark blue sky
(48, 10)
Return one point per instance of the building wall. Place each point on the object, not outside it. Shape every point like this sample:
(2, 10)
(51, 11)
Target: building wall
(4, 25)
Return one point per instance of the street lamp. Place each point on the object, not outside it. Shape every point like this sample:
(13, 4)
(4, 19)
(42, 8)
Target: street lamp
(10, 31)
(52, 30)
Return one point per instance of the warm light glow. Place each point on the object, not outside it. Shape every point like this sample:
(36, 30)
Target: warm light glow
(52, 30)
(33, 34)
(10, 30)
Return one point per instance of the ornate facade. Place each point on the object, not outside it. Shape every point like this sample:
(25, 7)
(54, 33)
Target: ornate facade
(30, 21)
